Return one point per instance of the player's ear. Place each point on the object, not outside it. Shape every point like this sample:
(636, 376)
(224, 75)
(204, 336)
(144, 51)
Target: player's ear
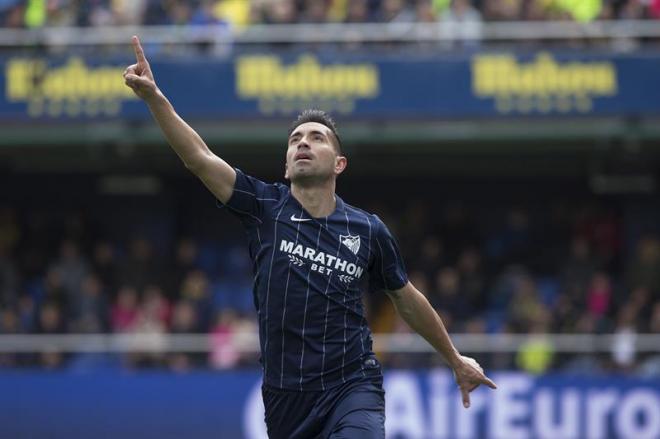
(286, 171)
(340, 164)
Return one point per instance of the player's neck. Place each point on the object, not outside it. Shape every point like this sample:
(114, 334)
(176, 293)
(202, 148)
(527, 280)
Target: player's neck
(318, 200)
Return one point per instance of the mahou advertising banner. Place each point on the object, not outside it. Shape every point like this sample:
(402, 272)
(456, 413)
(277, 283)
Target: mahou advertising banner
(497, 84)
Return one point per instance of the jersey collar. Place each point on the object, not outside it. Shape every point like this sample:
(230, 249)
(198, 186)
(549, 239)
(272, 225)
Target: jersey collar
(340, 207)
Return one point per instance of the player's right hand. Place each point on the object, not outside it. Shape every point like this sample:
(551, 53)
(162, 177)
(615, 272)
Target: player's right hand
(138, 76)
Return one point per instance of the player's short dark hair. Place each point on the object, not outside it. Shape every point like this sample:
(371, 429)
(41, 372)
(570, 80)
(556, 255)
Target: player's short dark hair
(318, 116)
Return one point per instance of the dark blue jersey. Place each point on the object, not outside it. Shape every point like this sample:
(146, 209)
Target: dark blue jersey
(312, 325)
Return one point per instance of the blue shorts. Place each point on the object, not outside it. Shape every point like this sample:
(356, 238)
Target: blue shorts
(355, 409)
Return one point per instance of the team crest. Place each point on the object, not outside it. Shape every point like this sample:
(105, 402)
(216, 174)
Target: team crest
(352, 242)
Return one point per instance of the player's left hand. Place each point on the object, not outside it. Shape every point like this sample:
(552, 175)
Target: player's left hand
(469, 375)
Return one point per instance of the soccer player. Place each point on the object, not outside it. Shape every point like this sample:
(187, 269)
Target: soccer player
(310, 250)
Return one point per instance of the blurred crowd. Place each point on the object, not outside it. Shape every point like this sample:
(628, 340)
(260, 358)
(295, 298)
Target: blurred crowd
(239, 13)
(572, 271)
(512, 270)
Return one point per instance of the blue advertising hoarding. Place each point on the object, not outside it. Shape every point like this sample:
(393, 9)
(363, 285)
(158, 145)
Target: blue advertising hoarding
(489, 84)
(419, 404)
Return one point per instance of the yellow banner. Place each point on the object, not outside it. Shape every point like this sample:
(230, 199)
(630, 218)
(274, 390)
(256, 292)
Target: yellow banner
(542, 85)
(285, 89)
(72, 89)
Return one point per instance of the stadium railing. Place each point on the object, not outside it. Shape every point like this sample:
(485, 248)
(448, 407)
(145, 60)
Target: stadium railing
(247, 342)
(335, 33)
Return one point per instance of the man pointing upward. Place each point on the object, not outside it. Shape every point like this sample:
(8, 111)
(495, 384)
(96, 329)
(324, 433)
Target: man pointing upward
(310, 250)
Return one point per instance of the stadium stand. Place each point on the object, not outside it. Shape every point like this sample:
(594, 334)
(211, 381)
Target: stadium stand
(34, 14)
(487, 266)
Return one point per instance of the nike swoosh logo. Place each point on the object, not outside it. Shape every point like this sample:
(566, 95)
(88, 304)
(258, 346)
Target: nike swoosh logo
(293, 218)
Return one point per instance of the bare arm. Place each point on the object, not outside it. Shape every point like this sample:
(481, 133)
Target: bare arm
(214, 172)
(418, 313)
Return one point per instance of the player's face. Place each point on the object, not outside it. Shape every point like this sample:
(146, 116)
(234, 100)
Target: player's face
(311, 155)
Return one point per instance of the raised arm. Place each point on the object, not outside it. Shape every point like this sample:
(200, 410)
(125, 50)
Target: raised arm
(418, 313)
(214, 172)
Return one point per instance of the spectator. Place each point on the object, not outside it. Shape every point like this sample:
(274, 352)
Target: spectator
(503, 10)
(579, 268)
(179, 12)
(140, 268)
(430, 256)
(9, 10)
(281, 12)
(205, 14)
(623, 349)
(457, 230)
(184, 263)
(128, 12)
(9, 321)
(439, 6)
(394, 357)
(414, 223)
(654, 9)
(525, 308)
(224, 353)
(419, 279)
(448, 299)
(512, 244)
(396, 11)
(633, 10)
(9, 230)
(63, 13)
(184, 318)
(90, 311)
(125, 311)
(105, 265)
(315, 11)
(52, 289)
(566, 312)
(195, 289)
(156, 13)
(472, 279)
(27, 313)
(235, 12)
(644, 269)
(654, 325)
(536, 354)
(9, 324)
(50, 322)
(462, 22)
(72, 267)
(184, 321)
(151, 321)
(50, 319)
(9, 279)
(425, 12)
(599, 295)
(357, 12)
(154, 313)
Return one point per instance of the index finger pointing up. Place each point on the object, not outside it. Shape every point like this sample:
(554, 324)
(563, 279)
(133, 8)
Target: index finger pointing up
(139, 53)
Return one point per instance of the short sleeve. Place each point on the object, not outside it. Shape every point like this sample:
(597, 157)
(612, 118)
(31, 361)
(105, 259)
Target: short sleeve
(249, 197)
(387, 272)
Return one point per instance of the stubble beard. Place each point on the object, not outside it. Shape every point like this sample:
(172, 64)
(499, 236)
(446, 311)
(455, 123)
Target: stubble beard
(310, 179)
